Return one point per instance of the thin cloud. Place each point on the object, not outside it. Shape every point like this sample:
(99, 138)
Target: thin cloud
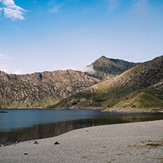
(7, 69)
(4, 67)
(141, 6)
(113, 4)
(55, 8)
(11, 10)
(18, 71)
(141, 10)
(87, 11)
(82, 69)
(1, 10)
(2, 56)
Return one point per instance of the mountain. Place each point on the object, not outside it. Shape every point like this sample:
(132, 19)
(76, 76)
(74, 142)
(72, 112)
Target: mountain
(140, 87)
(41, 89)
(105, 68)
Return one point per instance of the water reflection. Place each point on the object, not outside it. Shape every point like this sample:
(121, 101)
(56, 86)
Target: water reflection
(57, 128)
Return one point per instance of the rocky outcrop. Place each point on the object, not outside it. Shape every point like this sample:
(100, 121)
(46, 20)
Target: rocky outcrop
(41, 89)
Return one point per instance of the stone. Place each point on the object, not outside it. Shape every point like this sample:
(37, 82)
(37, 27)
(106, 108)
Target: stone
(56, 143)
(35, 142)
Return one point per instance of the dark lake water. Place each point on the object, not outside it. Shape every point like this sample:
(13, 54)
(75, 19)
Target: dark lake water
(21, 125)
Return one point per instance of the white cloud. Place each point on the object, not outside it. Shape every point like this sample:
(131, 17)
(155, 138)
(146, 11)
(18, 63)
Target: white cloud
(82, 69)
(88, 69)
(11, 10)
(8, 2)
(14, 13)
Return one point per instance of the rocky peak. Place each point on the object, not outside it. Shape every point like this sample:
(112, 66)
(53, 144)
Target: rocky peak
(106, 68)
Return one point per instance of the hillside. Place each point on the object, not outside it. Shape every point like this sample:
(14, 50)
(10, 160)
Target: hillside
(105, 68)
(141, 86)
(41, 89)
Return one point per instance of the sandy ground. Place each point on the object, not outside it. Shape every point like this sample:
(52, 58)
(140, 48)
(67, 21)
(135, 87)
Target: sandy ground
(129, 143)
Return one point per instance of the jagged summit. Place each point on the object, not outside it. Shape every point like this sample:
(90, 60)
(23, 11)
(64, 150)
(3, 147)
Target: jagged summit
(102, 57)
(106, 68)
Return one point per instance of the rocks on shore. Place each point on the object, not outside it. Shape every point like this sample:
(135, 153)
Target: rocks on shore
(35, 142)
(56, 143)
(3, 111)
(132, 110)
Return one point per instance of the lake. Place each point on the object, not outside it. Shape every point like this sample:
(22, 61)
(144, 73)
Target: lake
(20, 124)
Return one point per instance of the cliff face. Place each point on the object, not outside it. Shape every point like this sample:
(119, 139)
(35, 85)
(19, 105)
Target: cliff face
(41, 89)
(105, 68)
(141, 86)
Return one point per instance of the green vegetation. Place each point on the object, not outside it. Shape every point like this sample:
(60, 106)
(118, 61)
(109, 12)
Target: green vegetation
(140, 100)
(154, 144)
(139, 87)
(84, 157)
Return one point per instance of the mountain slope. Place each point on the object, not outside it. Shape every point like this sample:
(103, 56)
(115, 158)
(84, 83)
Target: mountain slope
(141, 86)
(104, 68)
(41, 89)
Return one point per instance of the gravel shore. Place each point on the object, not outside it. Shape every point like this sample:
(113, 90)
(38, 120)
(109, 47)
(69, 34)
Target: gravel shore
(131, 142)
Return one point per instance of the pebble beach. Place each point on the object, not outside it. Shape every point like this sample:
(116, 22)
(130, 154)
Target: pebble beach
(129, 142)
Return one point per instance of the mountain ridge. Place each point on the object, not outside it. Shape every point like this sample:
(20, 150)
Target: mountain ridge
(138, 83)
(69, 88)
(40, 89)
(105, 68)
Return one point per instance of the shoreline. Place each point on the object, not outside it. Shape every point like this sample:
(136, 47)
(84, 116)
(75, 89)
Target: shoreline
(103, 109)
(128, 142)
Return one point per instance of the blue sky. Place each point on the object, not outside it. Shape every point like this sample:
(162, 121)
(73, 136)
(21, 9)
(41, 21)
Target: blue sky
(46, 35)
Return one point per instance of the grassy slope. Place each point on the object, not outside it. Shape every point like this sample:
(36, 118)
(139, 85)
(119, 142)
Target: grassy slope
(27, 103)
(136, 87)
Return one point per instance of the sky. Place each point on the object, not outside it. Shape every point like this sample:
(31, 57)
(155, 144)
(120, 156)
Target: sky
(47, 35)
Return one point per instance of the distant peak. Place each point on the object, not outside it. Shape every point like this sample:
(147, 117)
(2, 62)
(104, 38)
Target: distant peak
(103, 57)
